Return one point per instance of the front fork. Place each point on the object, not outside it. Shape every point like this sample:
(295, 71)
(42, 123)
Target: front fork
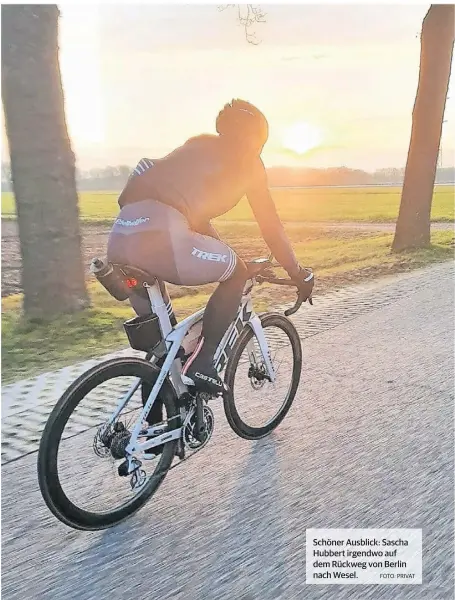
(256, 326)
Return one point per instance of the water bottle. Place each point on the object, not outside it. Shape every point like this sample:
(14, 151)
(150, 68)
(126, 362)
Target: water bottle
(109, 279)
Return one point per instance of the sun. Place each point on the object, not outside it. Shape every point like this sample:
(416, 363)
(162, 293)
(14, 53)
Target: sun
(302, 137)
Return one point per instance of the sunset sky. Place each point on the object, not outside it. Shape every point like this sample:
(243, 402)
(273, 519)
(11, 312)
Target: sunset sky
(337, 83)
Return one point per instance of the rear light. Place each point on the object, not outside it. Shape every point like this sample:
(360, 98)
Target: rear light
(131, 282)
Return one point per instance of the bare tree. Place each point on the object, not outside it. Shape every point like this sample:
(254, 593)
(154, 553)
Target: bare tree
(248, 15)
(437, 39)
(42, 162)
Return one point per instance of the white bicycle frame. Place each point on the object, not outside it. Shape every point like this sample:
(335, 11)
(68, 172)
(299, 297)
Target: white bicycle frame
(173, 337)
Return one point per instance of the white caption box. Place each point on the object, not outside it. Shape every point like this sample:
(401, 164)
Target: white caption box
(360, 556)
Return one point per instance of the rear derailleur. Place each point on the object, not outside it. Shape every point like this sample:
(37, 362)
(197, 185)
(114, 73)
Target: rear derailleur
(114, 441)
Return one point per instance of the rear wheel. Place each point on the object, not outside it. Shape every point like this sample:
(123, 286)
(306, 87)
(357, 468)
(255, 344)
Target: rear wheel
(78, 460)
(255, 406)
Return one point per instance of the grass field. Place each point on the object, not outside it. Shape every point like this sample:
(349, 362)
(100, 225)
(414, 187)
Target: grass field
(338, 257)
(372, 204)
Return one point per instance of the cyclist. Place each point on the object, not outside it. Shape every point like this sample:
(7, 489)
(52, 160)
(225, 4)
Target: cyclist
(164, 223)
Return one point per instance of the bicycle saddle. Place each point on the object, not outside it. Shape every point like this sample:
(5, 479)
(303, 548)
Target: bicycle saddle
(138, 274)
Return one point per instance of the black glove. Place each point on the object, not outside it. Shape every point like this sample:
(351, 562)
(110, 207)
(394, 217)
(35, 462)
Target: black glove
(305, 283)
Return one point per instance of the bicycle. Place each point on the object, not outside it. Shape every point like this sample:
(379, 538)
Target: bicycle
(128, 433)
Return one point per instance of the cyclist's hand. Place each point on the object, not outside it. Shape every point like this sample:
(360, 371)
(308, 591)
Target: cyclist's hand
(305, 283)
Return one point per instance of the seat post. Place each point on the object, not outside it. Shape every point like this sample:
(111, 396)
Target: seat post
(159, 307)
(167, 300)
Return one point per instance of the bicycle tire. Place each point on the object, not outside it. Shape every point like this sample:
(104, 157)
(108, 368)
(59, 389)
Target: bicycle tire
(237, 425)
(48, 478)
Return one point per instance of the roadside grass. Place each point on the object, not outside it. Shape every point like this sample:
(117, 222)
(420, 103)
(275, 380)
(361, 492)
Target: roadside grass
(368, 204)
(339, 258)
(379, 205)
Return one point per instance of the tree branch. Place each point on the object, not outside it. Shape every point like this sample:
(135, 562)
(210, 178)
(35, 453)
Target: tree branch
(247, 15)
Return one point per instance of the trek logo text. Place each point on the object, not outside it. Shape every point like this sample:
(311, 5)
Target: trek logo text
(209, 255)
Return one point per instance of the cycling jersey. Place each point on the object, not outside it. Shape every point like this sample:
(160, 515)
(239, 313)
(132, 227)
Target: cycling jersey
(203, 179)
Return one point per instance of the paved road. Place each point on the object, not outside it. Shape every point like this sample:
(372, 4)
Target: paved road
(368, 443)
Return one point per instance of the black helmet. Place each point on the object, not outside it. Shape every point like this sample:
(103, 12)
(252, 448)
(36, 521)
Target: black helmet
(240, 119)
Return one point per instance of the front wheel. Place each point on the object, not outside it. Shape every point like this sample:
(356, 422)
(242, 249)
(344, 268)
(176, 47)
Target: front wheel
(255, 406)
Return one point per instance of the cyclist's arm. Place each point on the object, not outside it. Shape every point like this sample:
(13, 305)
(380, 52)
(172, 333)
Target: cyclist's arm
(269, 222)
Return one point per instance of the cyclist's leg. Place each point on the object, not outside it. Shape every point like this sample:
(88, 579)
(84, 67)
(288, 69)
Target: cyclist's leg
(204, 259)
(220, 311)
(198, 259)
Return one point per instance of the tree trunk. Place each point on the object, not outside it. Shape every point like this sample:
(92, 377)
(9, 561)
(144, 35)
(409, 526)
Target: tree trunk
(42, 162)
(437, 38)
